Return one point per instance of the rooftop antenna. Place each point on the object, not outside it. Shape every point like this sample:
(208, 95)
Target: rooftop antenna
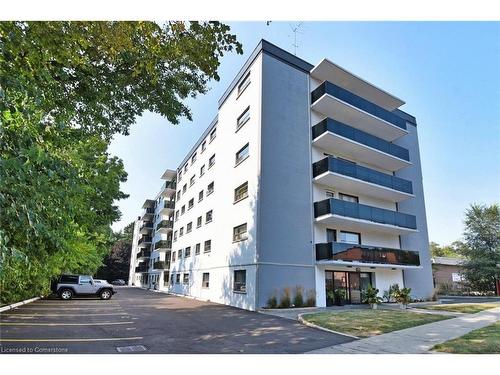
(295, 30)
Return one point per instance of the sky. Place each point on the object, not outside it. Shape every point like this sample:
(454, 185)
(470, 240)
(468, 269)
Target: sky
(448, 73)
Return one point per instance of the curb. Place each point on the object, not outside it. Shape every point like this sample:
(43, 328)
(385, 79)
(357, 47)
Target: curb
(306, 323)
(17, 304)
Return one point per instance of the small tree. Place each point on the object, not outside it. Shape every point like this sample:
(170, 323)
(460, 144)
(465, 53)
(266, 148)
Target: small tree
(370, 296)
(311, 298)
(286, 300)
(402, 296)
(298, 300)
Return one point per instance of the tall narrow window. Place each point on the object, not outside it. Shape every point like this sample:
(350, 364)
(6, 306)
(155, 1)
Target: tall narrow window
(211, 161)
(205, 280)
(200, 196)
(197, 249)
(243, 118)
(208, 246)
(240, 233)
(242, 154)
(244, 83)
(203, 146)
(241, 192)
(202, 170)
(210, 188)
(185, 278)
(193, 158)
(190, 203)
(198, 222)
(208, 217)
(240, 281)
(187, 252)
(191, 181)
(213, 134)
(331, 235)
(189, 227)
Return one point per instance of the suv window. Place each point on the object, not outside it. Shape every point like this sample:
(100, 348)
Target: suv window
(85, 279)
(69, 279)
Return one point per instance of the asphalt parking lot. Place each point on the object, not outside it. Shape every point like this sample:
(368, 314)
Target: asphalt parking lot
(139, 321)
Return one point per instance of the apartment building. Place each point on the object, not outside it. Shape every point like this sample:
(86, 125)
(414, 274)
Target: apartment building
(308, 177)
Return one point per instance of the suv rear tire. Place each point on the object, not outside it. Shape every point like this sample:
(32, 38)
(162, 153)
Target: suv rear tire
(66, 294)
(105, 294)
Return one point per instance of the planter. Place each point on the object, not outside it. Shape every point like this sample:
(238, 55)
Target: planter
(373, 306)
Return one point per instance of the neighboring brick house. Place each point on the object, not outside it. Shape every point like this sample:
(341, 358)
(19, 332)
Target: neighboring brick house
(446, 273)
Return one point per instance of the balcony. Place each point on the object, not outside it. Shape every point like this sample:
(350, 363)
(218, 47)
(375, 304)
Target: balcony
(345, 252)
(356, 179)
(165, 226)
(144, 241)
(348, 108)
(148, 213)
(142, 268)
(146, 227)
(167, 208)
(336, 137)
(163, 245)
(360, 217)
(168, 189)
(161, 265)
(144, 254)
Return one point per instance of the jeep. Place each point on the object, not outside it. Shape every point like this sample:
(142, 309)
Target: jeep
(69, 286)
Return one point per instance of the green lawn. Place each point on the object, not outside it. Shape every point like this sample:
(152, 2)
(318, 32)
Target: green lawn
(481, 341)
(468, 308)
(367, 323)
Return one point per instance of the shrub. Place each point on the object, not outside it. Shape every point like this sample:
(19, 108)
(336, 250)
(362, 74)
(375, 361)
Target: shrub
(298, 300)
(311, 298)
(285, 299)
(403, 296)
(389, 295)
(370, 296)
(272, 302)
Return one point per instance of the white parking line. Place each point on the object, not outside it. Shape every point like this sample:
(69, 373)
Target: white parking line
(61, 324)
(71, 340)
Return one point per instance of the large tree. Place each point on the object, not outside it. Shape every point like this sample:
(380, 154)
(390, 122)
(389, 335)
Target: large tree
(65, 89)
(482, 246)
(451, 251)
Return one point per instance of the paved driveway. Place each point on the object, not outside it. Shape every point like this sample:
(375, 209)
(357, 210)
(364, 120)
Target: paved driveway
(153, 323)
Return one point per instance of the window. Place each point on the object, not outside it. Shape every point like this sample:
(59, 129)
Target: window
(350, 237)
(187, 252)
(85, 280)
(210, 188)
(240, 233)
(208, 217)
(173, 256)
(184, 188)
(330, 194)
(203, 146)
(241, 192)
(176, 215)
(197, 249)
(200, 196)
(331, 235)
(240, 281)
(244, 83)
(189, 227)
(190, 203)
(243, 118)
(183, 209)
(242, 154)
(175, 236)
(349, 198)
(180, 175)
(208, 246)
(198, 222)
(172, 278)
(205, 280)
(178, 278)
(181, 232)
(69, 279)
(179, 254)
(193, 158)
(178, 195)
(185, 168)
(202, 170)
(213, 134)
(211, 161)
(185, 278)
(191, 181)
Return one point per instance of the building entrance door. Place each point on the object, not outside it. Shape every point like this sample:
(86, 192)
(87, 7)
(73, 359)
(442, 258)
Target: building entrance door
(349, 286)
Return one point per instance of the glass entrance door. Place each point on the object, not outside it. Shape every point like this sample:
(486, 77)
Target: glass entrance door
(354, 287)
(347, 285)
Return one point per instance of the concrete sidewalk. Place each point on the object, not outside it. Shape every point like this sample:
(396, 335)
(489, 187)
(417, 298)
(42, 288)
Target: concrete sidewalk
(416, 340)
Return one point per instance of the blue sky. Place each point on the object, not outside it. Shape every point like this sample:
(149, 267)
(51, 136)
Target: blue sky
(447, 72)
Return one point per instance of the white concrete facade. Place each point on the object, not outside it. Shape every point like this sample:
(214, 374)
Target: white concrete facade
(203, 257)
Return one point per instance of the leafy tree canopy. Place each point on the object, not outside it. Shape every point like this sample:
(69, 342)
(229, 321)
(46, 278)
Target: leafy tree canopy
(451, 251)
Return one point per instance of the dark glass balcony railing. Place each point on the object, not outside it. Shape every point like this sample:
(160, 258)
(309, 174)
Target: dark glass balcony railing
(364, 212)
(149, 210)
(331, 164)
(141, 268)
(359, 136)
(366, 254)
(161, 265)
(163, 244)
(144, 239)
(168, 204)
(146, 225)
(357, 101)
(144, 254)
(165, 224)
(170, 185)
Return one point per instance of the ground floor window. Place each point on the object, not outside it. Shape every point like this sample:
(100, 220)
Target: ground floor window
(205, 280)
(185, 278)
(346, 287)
(240, 281)
(178, 278)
